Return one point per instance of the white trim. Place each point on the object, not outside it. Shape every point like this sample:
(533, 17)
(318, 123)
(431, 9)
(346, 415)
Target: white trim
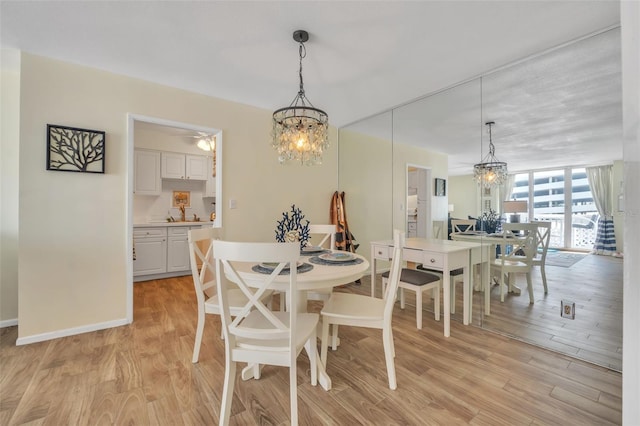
(71, 331)
(8, 323)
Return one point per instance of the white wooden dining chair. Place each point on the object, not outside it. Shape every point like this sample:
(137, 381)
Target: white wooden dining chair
(258, 335)
(204, 282)
(517, 259)
(365, 311)
(543, 234)
(418, 281)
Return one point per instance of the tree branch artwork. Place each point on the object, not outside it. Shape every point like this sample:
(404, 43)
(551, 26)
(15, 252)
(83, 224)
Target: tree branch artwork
(72, 149)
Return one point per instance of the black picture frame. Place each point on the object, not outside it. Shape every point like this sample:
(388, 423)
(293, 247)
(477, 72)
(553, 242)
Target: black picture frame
(441, 187)
(71, 149)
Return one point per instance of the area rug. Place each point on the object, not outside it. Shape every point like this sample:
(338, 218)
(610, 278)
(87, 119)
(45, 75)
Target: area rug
(563, 259)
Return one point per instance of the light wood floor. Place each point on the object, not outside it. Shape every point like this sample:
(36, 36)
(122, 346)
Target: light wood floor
(142, 374)
(595, 284)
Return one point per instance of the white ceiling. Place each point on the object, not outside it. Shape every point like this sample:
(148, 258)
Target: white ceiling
(362, 57)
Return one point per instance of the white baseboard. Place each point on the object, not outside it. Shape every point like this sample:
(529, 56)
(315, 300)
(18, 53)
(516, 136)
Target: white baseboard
(70, 332)
(8, 323)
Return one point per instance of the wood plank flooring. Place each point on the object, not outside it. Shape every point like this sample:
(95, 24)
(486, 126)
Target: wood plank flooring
(142, 374)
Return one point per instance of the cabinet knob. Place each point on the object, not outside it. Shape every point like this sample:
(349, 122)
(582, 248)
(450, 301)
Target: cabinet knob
(433, 261)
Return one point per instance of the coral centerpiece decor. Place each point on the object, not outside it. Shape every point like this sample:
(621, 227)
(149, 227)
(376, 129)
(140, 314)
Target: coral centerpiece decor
(291, 228)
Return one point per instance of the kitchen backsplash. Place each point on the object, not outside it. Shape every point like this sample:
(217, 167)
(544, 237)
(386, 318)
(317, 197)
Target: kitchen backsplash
(148, 209)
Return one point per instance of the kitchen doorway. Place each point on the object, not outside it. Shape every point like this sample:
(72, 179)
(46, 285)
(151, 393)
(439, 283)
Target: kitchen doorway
(419, 194)
(176, 130)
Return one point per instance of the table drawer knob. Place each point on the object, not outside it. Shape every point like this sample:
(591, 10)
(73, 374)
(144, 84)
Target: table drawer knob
(432, 261)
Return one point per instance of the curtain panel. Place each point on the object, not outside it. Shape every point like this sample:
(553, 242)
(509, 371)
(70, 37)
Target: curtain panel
(600, 179)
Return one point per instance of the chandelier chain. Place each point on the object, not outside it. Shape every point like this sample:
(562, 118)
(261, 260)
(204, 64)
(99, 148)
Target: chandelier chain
(302, 51)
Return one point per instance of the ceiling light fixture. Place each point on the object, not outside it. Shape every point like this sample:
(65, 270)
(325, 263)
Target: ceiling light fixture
(208, 143)
(490, 172)
(300, 131)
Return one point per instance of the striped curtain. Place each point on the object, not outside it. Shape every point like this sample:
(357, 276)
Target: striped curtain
(600, 179)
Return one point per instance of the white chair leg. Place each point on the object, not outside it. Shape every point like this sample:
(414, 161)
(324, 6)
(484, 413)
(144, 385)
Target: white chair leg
(293, 386)
(324, 341)
(487, 299)
(198, 342)
(419, 308)
(401, 298)
(227, 390)
(436, 302)
(544, 278)
(334, 337)
(530, 288)
(389, 351)
(453, 294)
(501, 286)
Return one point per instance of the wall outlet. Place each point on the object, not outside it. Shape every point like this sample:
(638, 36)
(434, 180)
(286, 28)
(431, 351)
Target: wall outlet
(233, 204)
(568, 309)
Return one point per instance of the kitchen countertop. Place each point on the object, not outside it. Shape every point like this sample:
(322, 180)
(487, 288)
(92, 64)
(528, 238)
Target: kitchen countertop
(171, 224)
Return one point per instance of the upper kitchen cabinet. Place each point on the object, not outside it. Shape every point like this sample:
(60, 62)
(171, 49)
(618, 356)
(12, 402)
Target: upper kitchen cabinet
(147, 172)
(184, 166)
(210, 185)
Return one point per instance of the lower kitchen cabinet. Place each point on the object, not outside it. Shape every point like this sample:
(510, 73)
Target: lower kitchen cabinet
(161, 252)
(150, 245)
(178, 249)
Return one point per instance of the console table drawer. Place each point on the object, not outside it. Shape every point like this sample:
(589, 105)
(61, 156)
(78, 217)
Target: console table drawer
(433, 260)
(382, 252)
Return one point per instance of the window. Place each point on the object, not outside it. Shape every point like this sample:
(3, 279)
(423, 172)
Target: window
(563, 197)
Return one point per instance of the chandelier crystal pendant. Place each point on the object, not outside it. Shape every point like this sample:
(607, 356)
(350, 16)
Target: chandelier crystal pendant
(300, 131)
(490, 172)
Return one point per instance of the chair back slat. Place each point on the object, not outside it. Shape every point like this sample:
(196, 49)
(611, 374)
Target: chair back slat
(202, 265)
(526, 243)
(228, 257)
(543, 231)
(463, 225)
(327, 232)
(394, 273)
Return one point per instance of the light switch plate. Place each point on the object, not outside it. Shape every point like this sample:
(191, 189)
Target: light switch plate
(568, 309)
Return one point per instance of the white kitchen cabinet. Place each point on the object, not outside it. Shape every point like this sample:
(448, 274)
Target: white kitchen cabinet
(412, 182)
(184, 166)
(147, 172)
(210, 185)
(178, 249)
(150, 245)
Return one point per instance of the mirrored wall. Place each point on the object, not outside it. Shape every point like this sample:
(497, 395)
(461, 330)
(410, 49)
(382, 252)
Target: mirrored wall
(552, 95)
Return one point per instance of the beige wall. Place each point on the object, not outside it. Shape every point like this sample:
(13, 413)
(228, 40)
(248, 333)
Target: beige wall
(463, 194)
(9, 137)
(73, 257)
(373, 175)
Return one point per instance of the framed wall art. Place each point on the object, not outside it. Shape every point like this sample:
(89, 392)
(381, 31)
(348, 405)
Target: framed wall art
(71, 149)
(181, 198)
(441, 187)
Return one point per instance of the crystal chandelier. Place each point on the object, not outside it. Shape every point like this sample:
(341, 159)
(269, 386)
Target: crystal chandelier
(300, 131)
(490, 172)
